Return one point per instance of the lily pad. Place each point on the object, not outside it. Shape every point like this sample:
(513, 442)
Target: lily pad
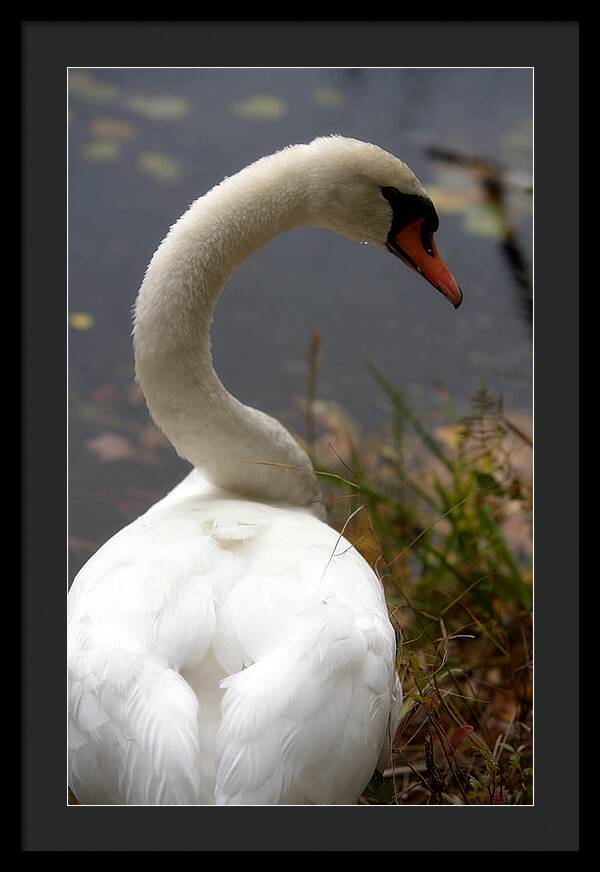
(260, 107)
(160, 167)
(81, 320)
(86, 87)
(327, 96)
(160, 108)
(113, 129)
(447, 200)
(108, 447)
(485, 221)
(101, 150)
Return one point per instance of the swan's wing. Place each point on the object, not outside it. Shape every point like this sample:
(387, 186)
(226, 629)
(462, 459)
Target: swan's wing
(139, 614)
(142, 611)
(305, 723)
(133, 719)
(133, 742)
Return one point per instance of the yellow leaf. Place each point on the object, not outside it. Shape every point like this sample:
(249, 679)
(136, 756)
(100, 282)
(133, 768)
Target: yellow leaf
(260, 107)
(160, 167)
(109, 447)
(101, 150)
(161, 108)
(112, 129)
(89, 89)
(81, 320)
(485, 221)
(326, 96)
(448, 201)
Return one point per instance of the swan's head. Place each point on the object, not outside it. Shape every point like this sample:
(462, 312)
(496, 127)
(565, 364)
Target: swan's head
(368, 195)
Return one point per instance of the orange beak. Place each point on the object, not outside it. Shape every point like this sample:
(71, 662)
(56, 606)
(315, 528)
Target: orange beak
(417, 248)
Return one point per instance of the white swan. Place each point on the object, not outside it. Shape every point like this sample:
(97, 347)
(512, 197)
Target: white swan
(218, 652)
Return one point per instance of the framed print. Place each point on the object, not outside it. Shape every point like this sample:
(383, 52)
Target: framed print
(308, 530)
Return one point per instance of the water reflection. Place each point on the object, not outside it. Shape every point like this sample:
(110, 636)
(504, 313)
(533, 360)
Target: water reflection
(492, 178)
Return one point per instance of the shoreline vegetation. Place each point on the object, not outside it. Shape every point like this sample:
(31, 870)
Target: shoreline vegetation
(444, 517)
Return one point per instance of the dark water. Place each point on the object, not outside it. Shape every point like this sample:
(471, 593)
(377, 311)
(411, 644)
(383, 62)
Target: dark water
(145, 143)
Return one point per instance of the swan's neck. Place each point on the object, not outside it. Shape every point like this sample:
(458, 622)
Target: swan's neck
(241, 449)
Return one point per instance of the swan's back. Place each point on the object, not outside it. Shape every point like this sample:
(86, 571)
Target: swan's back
(227, 651)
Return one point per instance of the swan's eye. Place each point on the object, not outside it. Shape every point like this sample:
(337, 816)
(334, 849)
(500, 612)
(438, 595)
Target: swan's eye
(427, 239)
(390, 194)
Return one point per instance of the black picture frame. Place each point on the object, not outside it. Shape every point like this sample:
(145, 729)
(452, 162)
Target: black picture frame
(48, 49)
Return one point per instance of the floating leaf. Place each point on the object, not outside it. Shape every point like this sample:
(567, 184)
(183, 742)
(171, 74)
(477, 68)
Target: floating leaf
(87, 88)
(448, 201)
(104, 394)
(109, 447)
(460, 178)
(327, 96)
(112, 129)
(81, 320)
(160, 167)
(160, 108)
(101, 150)
(485, 221)
(260, 107)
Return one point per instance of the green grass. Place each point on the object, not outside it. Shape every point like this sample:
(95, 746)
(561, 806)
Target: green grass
(446, 524)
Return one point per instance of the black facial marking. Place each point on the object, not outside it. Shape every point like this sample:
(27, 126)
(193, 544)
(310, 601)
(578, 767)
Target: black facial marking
(406, 209)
